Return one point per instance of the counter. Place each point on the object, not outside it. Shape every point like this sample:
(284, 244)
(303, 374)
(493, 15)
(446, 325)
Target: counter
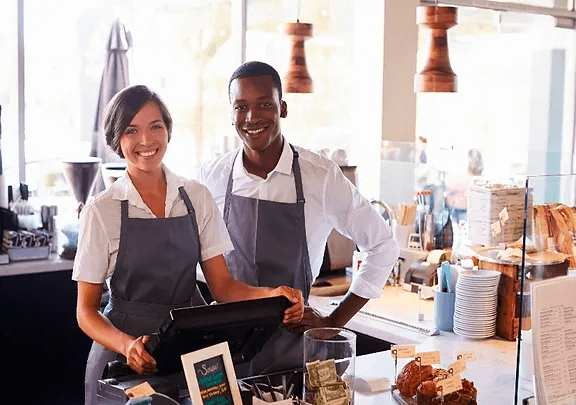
(46, 351)
(493, 374)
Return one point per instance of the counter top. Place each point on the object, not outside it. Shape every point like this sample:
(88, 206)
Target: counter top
(493, 374)
(53, 263)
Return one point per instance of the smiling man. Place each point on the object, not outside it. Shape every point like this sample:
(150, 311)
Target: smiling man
(280, 202)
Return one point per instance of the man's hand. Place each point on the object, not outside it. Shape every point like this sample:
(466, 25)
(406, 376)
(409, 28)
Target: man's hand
(311, 319)
(138, 358)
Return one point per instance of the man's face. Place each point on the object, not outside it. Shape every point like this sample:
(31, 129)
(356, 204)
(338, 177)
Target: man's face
(256, 111)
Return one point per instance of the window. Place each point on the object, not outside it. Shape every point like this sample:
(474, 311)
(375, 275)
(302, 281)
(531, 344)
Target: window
(186, 50)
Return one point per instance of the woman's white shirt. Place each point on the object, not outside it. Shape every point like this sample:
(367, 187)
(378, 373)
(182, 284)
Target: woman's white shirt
(99, 229)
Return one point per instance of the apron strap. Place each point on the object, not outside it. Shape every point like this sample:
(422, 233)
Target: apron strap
(192, 214)
(229, 190)
(302, 223)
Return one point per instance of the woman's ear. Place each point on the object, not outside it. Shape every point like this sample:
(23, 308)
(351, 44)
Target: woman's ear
(283, 109)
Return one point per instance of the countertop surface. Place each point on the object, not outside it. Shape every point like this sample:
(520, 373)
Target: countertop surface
(53, 263)
(493, 373)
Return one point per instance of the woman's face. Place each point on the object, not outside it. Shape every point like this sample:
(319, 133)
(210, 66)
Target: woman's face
(145, 140)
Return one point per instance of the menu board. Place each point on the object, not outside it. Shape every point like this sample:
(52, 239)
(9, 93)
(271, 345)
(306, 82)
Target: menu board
(210, 376)
(554, 337)
(212, 381)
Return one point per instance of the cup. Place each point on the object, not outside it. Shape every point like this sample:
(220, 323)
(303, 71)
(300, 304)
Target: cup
(401, 232)
(329, 365)
(444, 309)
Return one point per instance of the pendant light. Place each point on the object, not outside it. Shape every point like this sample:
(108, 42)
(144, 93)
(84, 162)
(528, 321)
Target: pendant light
(437, 74)
(298, 80)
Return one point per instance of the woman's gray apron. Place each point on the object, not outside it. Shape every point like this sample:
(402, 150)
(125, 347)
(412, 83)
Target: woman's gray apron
(155, 272)
(270, 249)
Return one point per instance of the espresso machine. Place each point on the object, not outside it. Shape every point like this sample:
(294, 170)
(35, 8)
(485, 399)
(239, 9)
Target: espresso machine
(80, 175)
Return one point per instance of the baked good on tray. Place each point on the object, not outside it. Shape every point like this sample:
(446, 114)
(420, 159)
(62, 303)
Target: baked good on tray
(423, 387)
(426, 394)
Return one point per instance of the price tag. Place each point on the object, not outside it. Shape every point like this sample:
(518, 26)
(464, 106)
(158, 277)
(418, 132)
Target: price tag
(503, 215)
(403, 352)
(495, 227)
(467, 355)
(140, 390)
(428, 358)
(449, 385)
(457, 367)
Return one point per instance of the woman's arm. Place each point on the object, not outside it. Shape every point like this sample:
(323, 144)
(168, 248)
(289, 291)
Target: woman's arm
(226, 288)
(101, 330)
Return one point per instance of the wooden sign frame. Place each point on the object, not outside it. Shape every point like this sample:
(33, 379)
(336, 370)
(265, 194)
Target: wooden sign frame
(211, 366)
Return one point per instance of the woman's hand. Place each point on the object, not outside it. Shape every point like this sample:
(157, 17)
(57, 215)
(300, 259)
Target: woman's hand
(295, 312)
(138, 357)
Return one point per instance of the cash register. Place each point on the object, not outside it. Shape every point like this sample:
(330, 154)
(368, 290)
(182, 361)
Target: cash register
(245, 325)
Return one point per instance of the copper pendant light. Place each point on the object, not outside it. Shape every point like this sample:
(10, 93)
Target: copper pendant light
(437, 75)
(298, 80)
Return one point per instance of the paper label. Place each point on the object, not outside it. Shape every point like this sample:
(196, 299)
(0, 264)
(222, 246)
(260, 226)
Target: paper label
(457, 367)
(449, 385)
(428, 358)
(379, 385)
(495, 227)
(467, 355)
(140, 390)
(403, 352)
(503, 215)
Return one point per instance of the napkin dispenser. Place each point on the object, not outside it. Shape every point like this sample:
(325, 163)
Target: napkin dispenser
(420, 274)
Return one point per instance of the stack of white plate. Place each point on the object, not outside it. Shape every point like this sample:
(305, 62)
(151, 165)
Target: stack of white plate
(476, 303)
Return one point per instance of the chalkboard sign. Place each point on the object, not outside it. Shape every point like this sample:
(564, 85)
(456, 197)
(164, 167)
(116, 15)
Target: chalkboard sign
(210, 376)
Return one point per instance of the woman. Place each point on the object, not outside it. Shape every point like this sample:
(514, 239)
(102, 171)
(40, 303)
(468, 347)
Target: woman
(146, 234)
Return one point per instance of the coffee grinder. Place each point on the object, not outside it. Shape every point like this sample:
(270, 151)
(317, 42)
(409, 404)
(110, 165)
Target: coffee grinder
(80, 175)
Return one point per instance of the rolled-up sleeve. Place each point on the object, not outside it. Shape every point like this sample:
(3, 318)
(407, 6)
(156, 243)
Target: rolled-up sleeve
(92, 260)
(353, 216)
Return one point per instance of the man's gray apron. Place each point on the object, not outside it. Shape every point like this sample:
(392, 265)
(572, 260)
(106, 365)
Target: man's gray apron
(155, 272)
(270, 249)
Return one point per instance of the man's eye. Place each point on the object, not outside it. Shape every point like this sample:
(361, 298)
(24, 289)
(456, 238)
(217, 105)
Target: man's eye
(240, 108)
(266, 104)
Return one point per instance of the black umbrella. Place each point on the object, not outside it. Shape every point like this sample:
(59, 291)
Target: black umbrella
(114, 79)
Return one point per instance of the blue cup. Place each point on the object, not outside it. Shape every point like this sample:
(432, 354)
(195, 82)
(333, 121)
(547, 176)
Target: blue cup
(444, 309)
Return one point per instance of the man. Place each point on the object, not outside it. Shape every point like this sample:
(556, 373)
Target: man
(280, 203)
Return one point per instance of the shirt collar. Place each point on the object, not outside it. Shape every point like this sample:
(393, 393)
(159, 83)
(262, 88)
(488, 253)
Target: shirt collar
(283, 166)
(123, 189)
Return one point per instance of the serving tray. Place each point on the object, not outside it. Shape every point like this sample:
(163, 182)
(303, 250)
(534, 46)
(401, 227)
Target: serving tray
(401, 399)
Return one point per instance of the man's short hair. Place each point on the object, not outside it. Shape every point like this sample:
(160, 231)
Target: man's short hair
(256, 68)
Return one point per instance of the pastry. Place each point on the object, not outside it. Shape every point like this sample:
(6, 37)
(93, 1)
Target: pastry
(411, 376)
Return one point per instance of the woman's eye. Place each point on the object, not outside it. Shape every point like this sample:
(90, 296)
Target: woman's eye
(158, 126)
(130, 131)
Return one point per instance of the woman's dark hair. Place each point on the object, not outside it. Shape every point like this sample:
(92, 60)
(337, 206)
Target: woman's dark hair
(121, 110)
(255, 68)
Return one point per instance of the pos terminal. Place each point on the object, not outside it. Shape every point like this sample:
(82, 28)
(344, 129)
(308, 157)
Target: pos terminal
(245, 325)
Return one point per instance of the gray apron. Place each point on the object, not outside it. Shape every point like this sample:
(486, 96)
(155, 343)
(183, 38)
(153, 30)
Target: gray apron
(270, 249)
(155, 272)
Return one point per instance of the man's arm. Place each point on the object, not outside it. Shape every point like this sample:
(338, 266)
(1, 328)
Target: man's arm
(347, 308)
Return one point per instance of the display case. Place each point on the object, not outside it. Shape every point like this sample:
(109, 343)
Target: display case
(546, 255)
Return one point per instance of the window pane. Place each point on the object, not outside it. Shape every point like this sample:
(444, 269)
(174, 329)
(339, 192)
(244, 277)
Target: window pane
(515, 95)
(345, 108)
(9, 91)
(182, 49)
